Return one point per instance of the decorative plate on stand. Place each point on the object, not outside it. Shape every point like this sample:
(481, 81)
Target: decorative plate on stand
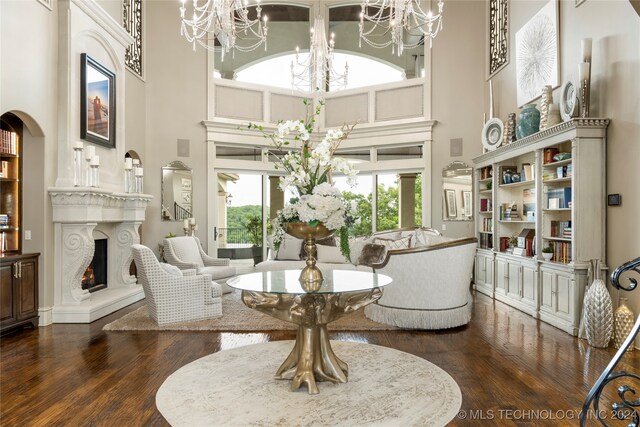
(568, 101)
(492, 134)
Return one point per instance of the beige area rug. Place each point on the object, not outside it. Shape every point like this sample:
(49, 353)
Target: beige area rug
(236, 317)
(386, 387)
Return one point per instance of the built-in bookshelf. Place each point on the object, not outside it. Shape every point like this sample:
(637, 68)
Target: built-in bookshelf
(484, 218)
(10, 184)
(546, 190)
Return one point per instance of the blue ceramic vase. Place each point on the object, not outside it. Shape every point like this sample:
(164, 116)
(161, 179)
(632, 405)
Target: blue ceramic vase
(529, 122)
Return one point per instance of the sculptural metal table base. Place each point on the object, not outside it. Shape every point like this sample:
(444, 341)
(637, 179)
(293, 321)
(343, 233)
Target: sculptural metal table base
(312, 358)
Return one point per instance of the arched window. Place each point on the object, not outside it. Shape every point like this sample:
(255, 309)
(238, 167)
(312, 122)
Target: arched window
(363, 71)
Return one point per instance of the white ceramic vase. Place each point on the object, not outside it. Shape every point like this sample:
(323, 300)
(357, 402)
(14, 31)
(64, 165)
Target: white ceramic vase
(598, 310)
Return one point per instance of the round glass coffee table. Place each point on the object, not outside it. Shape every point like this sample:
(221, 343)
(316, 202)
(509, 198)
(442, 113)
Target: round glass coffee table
(281, 295)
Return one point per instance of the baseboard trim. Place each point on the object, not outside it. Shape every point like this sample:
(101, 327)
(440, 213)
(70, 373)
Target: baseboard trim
(46, 316)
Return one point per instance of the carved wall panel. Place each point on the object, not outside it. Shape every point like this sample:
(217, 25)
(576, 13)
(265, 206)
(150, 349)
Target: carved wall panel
(498, 35)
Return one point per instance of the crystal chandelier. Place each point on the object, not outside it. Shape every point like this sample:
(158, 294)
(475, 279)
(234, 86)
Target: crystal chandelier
(317, 72)
(226, 20)
(396, 17)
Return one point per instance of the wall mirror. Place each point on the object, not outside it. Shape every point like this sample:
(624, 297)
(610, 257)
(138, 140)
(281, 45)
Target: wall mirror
(457, 192)
(177, 192)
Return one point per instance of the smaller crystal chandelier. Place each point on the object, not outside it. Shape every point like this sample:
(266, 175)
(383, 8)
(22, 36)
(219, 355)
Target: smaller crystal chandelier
(317, 71)
(226, 20)
(396, 17)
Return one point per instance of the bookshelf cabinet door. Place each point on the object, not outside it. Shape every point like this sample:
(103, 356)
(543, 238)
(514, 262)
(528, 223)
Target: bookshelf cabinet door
(546, 292)
(529, 282)
(564, 286)
(502, 278)
(514, 281)
(480, 270)
(488, 278)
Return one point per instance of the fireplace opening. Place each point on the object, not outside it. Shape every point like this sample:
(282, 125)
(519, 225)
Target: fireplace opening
(95, 276)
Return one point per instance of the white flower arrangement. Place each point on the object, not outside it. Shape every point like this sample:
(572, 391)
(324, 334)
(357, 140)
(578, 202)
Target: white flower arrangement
(309, 173)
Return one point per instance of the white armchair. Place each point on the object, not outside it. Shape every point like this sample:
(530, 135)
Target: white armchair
(185, 253)
(175, 298)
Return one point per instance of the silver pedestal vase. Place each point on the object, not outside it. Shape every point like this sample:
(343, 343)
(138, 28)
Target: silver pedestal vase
(598, 310)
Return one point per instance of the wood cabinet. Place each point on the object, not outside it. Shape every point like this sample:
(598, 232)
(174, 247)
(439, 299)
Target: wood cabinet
(550, 189)
(18, 290)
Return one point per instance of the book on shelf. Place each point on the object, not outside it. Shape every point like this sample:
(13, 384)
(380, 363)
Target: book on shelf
(528, 201)
(487, 225)
(559, 198)
(528, 172)
(485, 205)
(561, 229)
(486, 241)
(508, 212)
(9, 142)
(561, 252)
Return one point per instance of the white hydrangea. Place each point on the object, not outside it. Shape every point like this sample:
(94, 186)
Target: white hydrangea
(326, 189)
(326, 209)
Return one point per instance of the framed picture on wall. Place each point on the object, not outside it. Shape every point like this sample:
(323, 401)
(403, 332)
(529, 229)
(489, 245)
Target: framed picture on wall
(466, 203)
(97, 103)
(450, 201)
(537, 54)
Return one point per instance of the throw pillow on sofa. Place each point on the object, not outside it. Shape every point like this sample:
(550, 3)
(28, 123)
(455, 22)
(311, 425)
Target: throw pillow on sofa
(402, 243)
(432, 239)
(330, 255)
(372, 254)
(289, 248)
(356, 245)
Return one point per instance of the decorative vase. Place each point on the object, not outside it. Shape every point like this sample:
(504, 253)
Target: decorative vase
(623, 323)
(311, 276)
(598, 311)
(545, 103)
(511, 129)
(554, 116)
(547, 256)
(529, 121)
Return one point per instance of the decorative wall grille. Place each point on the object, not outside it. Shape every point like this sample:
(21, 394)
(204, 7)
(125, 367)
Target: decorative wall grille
(498, 35)
(132, 21)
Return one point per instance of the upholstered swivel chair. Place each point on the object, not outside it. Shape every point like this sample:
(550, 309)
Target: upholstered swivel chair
(173, 295)
(185, 252)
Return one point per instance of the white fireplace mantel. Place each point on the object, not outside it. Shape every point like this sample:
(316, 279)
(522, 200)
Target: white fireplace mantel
(77, 212)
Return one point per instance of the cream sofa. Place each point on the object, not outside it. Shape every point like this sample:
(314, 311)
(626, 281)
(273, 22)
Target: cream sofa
(431, 279)
(431, 286)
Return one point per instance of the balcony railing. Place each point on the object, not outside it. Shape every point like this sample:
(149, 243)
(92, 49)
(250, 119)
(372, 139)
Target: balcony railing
(233, 237)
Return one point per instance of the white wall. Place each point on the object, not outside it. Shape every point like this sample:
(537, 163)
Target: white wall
(457, 98)
(28, 84)
(614, 27)
(176, 90)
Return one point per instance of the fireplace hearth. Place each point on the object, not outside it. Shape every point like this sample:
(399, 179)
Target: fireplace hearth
(95, 276)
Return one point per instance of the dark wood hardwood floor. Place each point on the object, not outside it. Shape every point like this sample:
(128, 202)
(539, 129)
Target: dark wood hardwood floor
(511, 368)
